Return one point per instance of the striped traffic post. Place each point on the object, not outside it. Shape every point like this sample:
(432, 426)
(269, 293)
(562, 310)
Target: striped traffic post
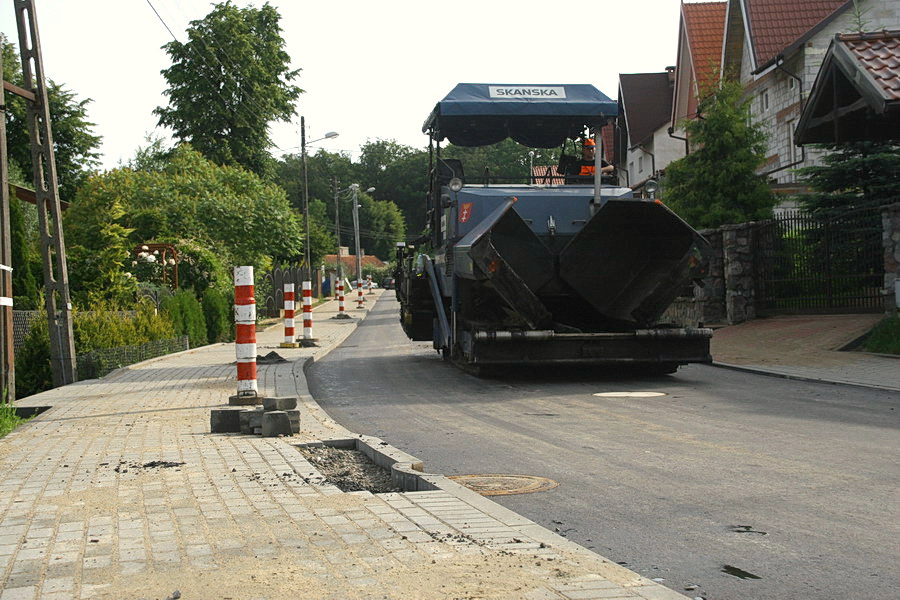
(359, 293)
(369, 284)
(342, 314)
(308, 339)
(289, 336)
(245, 333)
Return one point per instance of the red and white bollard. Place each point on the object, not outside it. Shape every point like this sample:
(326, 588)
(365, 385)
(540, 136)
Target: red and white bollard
(359, 294)
(341, 312)
(307, 313)
(369, 284)
(289, 335)
(245, 342)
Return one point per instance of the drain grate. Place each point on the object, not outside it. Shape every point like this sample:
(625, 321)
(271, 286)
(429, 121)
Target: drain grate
(503, 485)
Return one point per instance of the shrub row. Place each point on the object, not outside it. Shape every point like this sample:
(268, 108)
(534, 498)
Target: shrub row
(103, 328)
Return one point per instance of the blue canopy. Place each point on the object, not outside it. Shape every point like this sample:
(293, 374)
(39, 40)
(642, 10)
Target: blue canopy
(538, 116)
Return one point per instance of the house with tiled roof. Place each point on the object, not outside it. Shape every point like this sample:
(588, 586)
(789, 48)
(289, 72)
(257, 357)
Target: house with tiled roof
(700, 31)
(856, 95)
(368, 262)
(775, 48)
(643, 146)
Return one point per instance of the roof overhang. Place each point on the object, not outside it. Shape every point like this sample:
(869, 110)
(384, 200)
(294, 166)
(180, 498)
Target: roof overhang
(846, 103)
(538, 116)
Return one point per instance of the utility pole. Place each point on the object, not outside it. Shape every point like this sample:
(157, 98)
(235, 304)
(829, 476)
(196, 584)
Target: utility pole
(7, 355)
(53, 248)
(355, 189)
(306, 256)
(339, 268)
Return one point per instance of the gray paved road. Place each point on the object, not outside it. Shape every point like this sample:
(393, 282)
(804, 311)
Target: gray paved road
(791, 487)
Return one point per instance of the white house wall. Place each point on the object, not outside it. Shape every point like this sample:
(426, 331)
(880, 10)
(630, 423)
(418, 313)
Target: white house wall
(660, 151)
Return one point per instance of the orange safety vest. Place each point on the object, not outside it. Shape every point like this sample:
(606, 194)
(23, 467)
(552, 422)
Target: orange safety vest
(586, 170)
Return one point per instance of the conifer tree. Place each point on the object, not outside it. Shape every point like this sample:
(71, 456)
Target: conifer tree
(716, 183)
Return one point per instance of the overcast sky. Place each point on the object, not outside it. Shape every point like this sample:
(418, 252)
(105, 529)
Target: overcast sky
(371, 70)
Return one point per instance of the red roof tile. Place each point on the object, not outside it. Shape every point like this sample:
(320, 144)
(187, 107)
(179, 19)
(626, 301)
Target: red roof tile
(775, 25)
(879, 54)
(366, 261)
(704, 24)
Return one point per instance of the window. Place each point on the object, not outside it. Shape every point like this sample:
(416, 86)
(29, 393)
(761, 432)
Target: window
(764, 100)
(640, 164)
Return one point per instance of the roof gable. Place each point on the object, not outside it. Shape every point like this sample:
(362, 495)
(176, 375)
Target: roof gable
(856, 95)
(778, 25)
(647, 102)
(704, 28)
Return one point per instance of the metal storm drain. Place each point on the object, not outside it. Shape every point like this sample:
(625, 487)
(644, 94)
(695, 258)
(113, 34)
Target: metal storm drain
(503, 485)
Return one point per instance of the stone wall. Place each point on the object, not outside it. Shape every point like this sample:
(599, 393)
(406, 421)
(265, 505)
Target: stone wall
(728, 295)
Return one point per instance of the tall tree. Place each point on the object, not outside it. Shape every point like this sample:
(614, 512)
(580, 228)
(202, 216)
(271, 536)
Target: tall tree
(717, 182)
(74, 143)
(229, 211)
(227, 83)
(399, 174)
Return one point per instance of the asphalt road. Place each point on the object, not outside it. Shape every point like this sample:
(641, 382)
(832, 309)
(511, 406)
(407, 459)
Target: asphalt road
(728, 486)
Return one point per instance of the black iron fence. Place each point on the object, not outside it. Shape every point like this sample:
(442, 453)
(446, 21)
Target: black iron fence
(829, 263)
(270, 291)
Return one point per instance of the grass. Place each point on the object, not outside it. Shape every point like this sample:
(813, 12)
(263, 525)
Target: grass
(885, 337)
(8, 418)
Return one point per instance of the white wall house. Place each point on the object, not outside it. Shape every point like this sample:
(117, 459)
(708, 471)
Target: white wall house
(776, 49)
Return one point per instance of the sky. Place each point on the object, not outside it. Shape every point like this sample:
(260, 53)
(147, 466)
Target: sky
(370, 70)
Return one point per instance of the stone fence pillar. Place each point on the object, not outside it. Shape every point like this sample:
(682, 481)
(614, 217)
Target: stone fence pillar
(890, 227)
(740, 285)
(711, 297)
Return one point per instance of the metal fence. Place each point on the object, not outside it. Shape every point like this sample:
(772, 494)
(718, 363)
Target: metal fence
(98, 363)
(808, 263)
(270, 295)
(24, 319)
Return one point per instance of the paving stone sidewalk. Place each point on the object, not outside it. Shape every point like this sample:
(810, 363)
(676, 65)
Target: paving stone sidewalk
(120, 491)
(807, 347)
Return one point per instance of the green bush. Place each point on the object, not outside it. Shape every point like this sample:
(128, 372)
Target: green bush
(150, 325)
(885, 337)
(187, 317)
(218, 314)
(93, 330)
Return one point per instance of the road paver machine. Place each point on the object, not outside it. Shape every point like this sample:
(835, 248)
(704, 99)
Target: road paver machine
(545, 271)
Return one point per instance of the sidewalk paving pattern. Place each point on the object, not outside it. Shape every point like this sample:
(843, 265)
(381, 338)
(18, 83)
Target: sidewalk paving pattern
(807, 347)
(121, 491)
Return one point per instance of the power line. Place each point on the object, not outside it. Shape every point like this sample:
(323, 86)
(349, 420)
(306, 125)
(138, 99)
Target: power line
(200, 41)
(161, 20)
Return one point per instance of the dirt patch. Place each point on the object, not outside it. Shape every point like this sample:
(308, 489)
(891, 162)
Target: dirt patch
(349, 470)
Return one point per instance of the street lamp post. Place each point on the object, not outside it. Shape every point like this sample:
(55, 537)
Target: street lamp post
(306, 287)
(328, 136)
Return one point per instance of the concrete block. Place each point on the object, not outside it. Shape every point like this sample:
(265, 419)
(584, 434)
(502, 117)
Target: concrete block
(239, 400)
(275, 423)
(249, 419)
(280, 403)
(225, 420)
